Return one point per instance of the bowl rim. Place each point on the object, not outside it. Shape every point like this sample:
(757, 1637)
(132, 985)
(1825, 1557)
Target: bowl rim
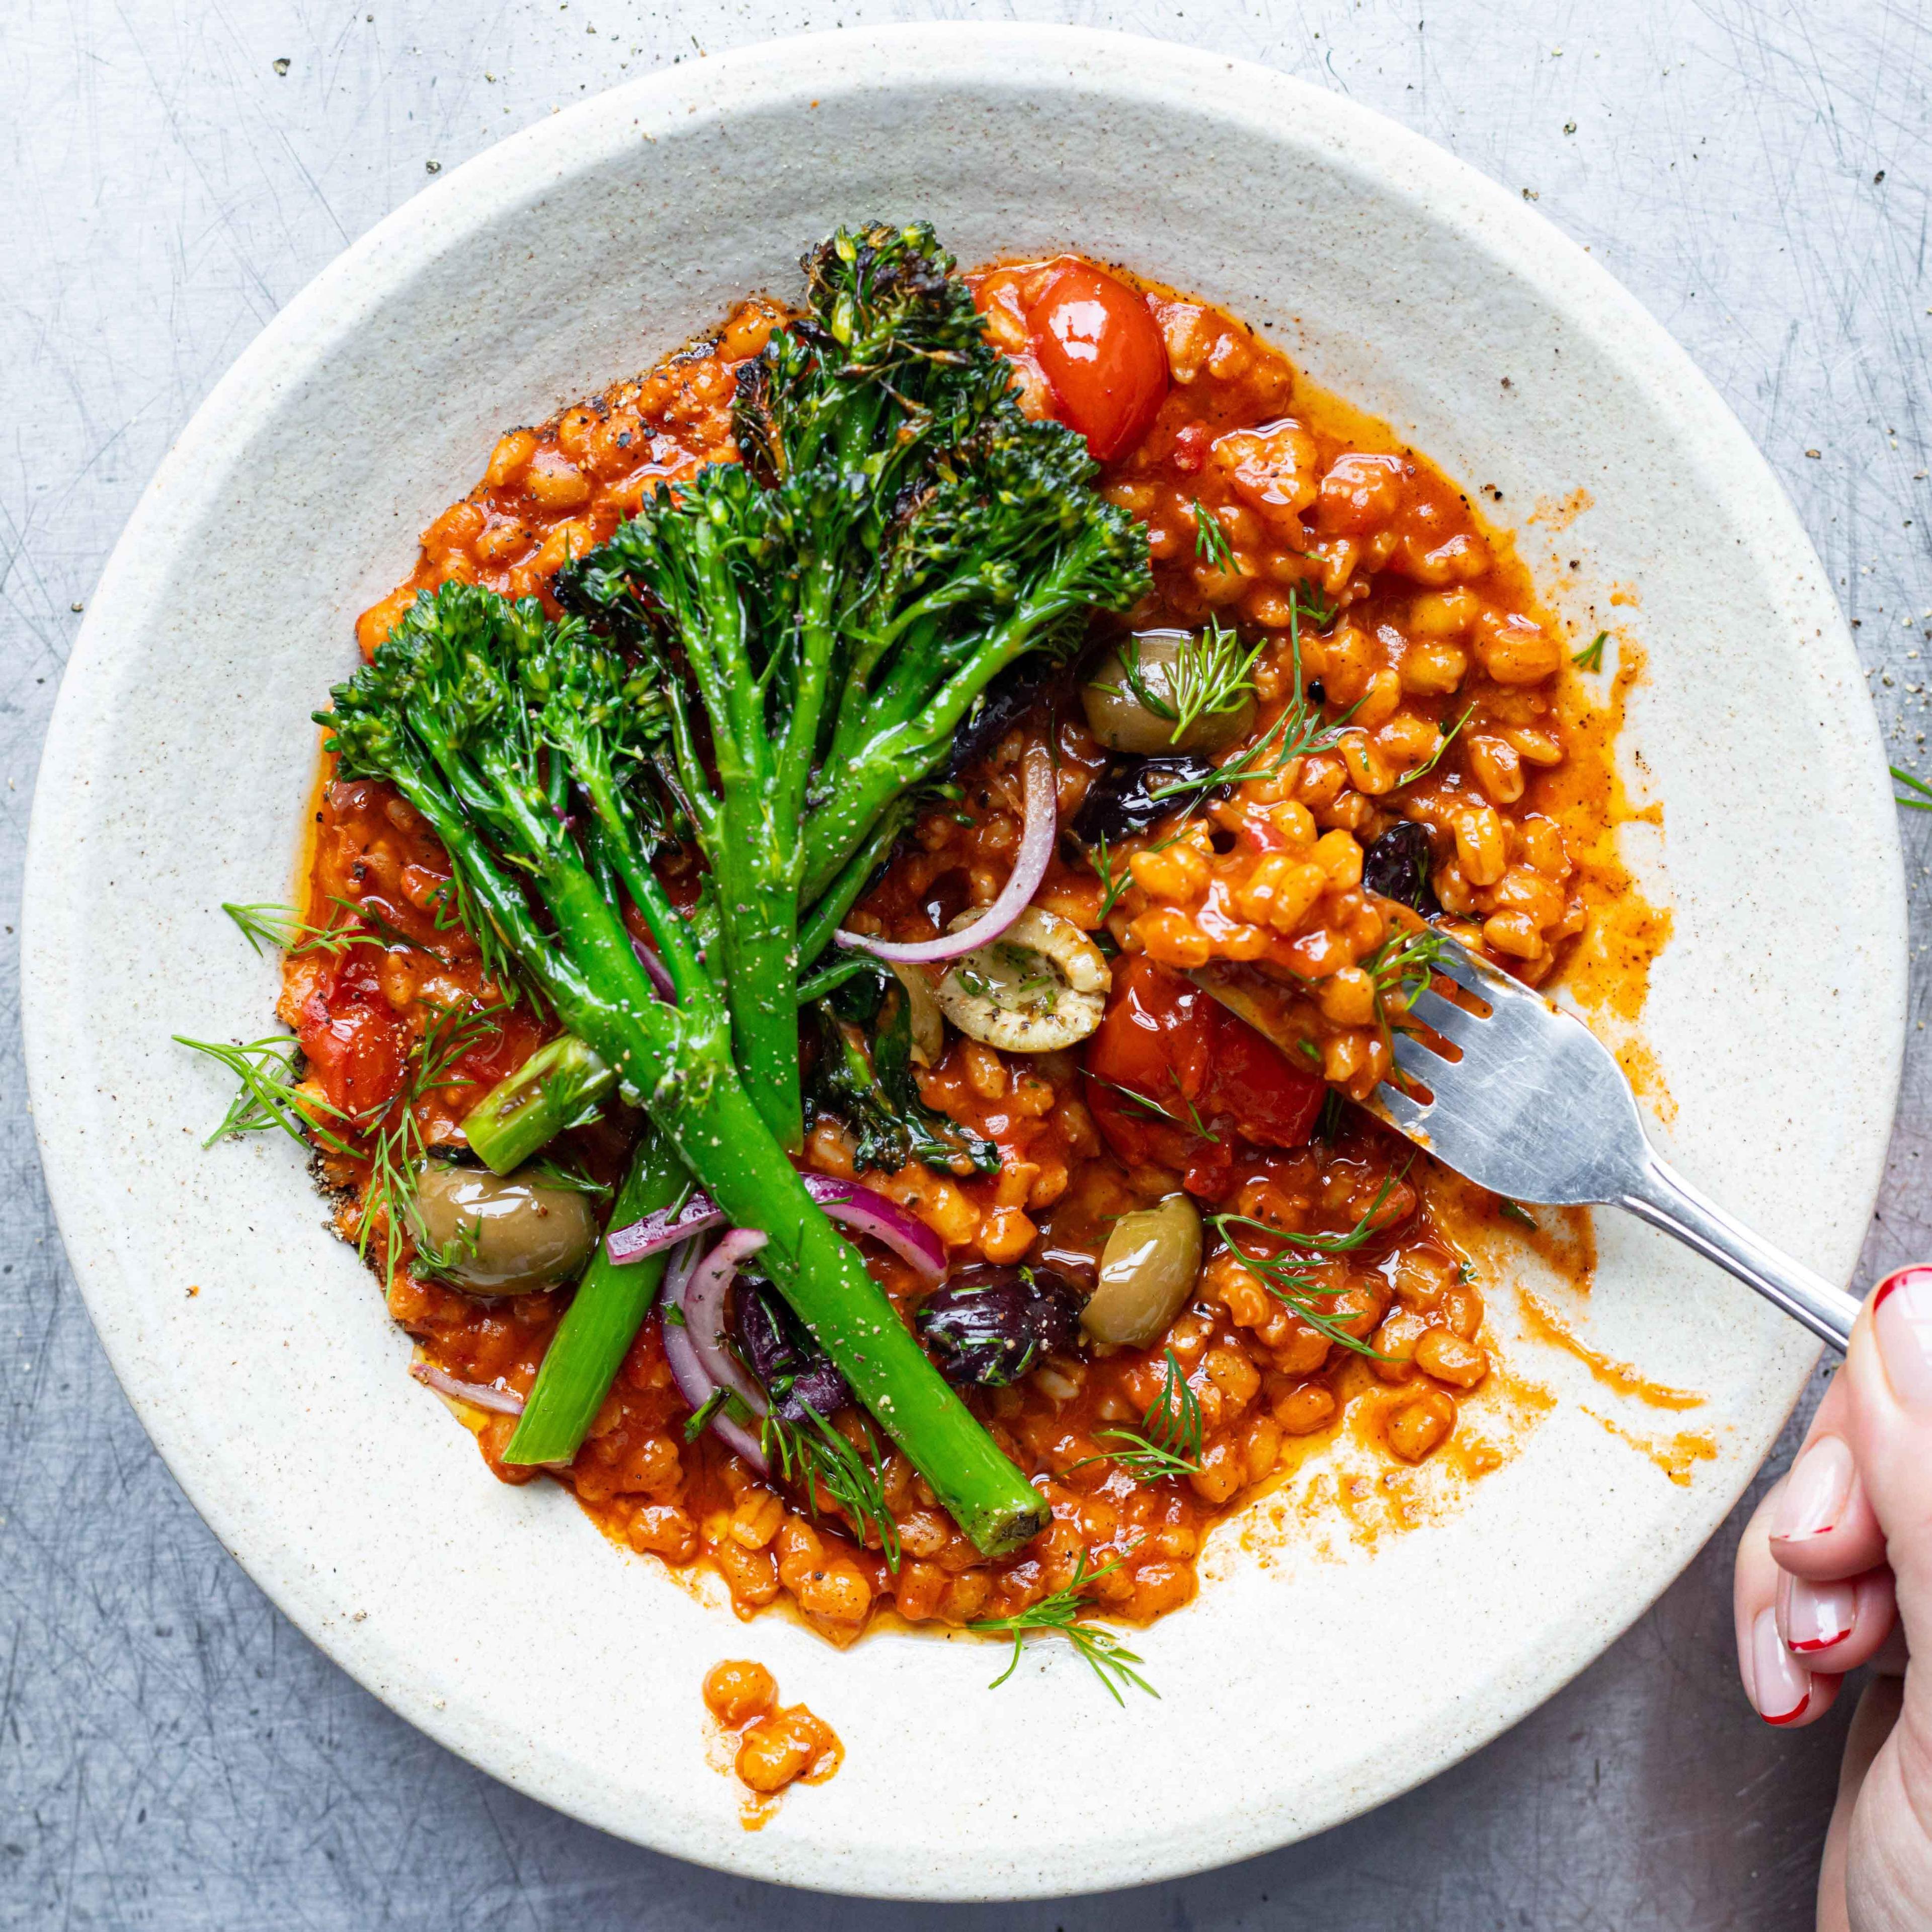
(766, 74)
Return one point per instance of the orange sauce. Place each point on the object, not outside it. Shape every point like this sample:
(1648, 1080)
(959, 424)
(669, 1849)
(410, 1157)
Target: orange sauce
(1677, 1456)
(1547, 1325)
(680, 1502)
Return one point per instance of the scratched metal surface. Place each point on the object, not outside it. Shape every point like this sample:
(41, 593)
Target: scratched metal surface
(172, 1753)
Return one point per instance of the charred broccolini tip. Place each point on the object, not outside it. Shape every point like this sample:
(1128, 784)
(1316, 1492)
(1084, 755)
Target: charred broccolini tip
(820, 619)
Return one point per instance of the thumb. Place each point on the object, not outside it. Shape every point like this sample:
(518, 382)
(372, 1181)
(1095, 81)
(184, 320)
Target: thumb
(1888, 1374)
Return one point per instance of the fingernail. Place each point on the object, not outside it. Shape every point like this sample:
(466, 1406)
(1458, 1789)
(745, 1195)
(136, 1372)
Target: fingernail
(1781, 1686)
(1816, 1491)
(1902, 1317)
(1814, 1616)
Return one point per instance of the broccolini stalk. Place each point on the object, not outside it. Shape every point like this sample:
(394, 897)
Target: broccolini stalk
(602, 1320)
(823, 616)
(559, 1085)
(495, 725)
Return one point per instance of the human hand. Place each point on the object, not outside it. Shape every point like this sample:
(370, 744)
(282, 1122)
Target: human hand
(1835, 1571)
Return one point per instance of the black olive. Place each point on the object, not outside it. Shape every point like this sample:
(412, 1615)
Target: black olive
(1317, 694)
(1121, 802)
(1015, 692)
(1397, 865)
(989, 1326)
(794, 1370)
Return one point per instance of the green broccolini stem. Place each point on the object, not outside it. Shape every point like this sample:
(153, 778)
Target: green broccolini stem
(602, 1321)
(827, 916)
(554, 1089)
(907, 732)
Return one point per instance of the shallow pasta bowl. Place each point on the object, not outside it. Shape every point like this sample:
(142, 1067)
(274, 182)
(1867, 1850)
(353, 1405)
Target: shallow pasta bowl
(254, 1348)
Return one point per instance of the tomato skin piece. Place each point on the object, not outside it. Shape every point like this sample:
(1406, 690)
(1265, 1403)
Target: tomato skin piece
(1098, 347)
(1155, 1036)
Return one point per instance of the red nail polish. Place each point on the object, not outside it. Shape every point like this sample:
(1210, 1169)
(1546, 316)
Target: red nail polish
(1895, 1278)
(1791, 1716)
(1812, 1643)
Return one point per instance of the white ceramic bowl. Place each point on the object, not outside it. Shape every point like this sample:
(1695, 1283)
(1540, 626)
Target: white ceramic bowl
(1301, 1688)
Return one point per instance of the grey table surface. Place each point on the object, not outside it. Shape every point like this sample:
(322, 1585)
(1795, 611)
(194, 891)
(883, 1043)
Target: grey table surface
(172, 1753)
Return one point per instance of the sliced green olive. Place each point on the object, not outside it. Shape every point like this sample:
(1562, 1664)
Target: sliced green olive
(1040, 986)
(492, 1233)
(1148, 1269)
(1121, 715)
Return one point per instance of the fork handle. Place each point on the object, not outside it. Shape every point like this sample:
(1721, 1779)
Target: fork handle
(1666, 1201)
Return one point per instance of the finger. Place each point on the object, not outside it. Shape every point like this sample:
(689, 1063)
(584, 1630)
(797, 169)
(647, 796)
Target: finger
(1824, 1526)
(1888, 1379)
(1781, 1689)
(1871, 1725)
(1836, 1625)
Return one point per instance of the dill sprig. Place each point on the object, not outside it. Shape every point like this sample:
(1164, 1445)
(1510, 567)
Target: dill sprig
(546, 1170)
(1106, 1655)
(1443, 739)
(1923, 802)
(1101, 858)
(1285, 1277)
(1210, 675)
(1192, 1124)
(1321, 1244)
(1401, 967)
(1211, 546)
(398, 1150)
(267, 1098)
(1514, 1211)
(1300, 731)
(1591, 657)
(1168, 1442)
(818, 1458)
(265, 923)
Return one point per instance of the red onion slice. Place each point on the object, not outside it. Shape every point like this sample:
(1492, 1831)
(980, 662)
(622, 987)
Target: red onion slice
(659, 972)
(664, 1228)
(861, 1209)
(478, 1395)
(703, 1302)
(1042, 822)
(867, 1212)
(693, 1383)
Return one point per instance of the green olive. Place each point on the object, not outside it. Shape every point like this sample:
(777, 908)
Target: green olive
(499, 1234)
(1118, 716)
(1150, 1265)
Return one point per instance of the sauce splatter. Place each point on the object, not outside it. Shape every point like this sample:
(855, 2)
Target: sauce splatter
(1543, 1322)
(771, 1747)
(1677, 1456)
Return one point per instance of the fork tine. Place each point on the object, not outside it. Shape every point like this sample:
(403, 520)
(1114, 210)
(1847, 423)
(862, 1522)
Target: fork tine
(1404, 1112)
(1450, 1021)
(1455, 964)
(1417, 1061)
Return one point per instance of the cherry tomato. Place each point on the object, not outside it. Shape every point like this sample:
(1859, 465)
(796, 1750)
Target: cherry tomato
(1204, 1075)
(355, 1051)
(1274, 1103)
(1098, 347)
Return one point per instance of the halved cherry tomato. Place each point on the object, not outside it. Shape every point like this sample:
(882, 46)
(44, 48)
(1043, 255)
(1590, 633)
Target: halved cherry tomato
(1205, 1076)
(355, 1051)
(1274, 1103)
(1098, 347)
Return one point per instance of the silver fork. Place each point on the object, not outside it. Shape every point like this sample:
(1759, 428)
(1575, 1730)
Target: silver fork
(1537, 1109)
